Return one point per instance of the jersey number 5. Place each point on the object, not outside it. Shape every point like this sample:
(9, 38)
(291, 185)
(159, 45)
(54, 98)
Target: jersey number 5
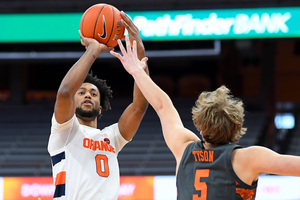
(200, 186)
(102, 165)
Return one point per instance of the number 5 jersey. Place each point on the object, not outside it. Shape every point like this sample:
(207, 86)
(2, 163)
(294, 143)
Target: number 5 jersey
(207, 174)
(84, 160)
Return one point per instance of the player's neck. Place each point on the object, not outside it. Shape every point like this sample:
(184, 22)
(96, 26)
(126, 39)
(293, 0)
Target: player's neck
(86, 122)
(208, 145)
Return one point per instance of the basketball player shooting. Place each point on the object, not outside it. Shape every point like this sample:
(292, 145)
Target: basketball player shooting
(214, 167)
(84, 158)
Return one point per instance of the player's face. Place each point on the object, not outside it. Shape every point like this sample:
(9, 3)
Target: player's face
(87, 100)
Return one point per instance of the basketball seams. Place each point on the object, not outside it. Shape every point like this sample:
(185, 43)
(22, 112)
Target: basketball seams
(93, 24)
(113, 24)
(97, 21)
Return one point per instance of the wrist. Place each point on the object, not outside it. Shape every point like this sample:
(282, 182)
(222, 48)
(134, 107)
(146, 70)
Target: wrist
(137, 72)
(94, 48)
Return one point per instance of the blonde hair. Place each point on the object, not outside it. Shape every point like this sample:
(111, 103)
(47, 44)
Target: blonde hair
(219, 116)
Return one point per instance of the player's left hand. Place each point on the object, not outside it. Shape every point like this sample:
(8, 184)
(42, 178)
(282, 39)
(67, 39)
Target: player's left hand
(134, 34)
(129, 59)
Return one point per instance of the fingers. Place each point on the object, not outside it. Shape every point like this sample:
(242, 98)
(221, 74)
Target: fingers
(122, 49)
(107, 49)
(121, 46)
(129, 25)
(80, 34)
(82, 39)
(126, 18)
(134, 48)
(116, 54)
(126, 25)
(128, 46)
(128, 49)
(145, 59)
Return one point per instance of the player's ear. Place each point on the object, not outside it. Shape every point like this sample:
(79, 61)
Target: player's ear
(100, 110)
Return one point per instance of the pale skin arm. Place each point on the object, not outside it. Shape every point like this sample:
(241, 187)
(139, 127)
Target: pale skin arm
(65, 106)
(134, 113)
(250, 162)
(176, 135)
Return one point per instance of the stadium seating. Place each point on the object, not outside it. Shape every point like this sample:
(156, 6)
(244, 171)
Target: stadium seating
(24, 134)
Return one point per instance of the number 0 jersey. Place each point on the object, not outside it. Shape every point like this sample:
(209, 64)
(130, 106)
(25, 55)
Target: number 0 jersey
(207, 174)
(84, 160)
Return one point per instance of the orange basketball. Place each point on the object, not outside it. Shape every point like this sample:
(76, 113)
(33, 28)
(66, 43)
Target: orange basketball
(103, 23)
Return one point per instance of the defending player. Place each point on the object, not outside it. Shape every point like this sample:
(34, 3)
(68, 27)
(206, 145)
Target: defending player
(84, 158)
(214, 167)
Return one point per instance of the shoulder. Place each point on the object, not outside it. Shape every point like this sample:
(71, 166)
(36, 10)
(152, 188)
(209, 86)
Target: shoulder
(114, 132)
(244, 161)
(55, 126)
(253, 155)
(253, 150)
(246, 152)
(113, 128)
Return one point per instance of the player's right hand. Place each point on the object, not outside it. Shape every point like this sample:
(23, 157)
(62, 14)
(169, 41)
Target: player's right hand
(101, 48)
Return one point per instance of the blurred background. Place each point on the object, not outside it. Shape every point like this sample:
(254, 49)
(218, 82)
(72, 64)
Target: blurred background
(263, 71)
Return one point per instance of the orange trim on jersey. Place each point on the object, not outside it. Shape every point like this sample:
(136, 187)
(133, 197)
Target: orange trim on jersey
(60, 178)
(246, 194)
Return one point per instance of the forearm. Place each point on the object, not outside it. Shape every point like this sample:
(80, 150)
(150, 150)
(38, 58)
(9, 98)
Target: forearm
(139, 100)
(141, 53)
(155, 96)
(76, 75)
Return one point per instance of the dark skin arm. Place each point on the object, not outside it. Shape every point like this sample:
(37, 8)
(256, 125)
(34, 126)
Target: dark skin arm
(65, 103)
(134, 113)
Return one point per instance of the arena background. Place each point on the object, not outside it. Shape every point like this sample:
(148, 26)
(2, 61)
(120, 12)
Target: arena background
(263, 72)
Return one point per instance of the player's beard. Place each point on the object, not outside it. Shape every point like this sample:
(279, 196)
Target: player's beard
(86, 115)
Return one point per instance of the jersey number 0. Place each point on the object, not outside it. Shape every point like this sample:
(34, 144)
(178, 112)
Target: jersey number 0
(102, 165)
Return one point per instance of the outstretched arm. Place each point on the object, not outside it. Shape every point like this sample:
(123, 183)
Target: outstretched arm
(249, 163)
(64, 106)
(176, 136)
(134, 113)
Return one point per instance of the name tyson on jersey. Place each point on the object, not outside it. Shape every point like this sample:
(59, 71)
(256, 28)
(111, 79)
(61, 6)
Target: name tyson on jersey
(203, 156)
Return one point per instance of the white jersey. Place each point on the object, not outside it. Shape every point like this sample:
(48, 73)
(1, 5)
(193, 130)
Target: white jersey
(84, 160)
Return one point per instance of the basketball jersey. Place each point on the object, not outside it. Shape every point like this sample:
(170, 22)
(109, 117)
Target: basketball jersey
(84, 160)
(209, 175)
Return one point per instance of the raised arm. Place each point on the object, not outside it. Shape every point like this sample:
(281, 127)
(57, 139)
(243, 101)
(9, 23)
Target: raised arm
(176, 136)
(64, 106)
(134, 113)
(263, 160)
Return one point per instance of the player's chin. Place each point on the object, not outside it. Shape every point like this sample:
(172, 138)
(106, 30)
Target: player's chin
(87, 108)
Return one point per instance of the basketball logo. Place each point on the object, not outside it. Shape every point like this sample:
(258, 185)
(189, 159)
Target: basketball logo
(103, 23)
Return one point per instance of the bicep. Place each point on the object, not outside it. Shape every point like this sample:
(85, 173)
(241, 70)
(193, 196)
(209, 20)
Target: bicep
(64, 108)
(130, 121)
(268, 161)
(177, 137)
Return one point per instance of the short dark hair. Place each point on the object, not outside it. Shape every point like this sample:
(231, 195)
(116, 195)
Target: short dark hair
(104, 89)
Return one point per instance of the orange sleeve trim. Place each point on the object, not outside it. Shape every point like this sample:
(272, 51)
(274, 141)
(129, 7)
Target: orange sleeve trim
(246, 194)
(60, 178)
